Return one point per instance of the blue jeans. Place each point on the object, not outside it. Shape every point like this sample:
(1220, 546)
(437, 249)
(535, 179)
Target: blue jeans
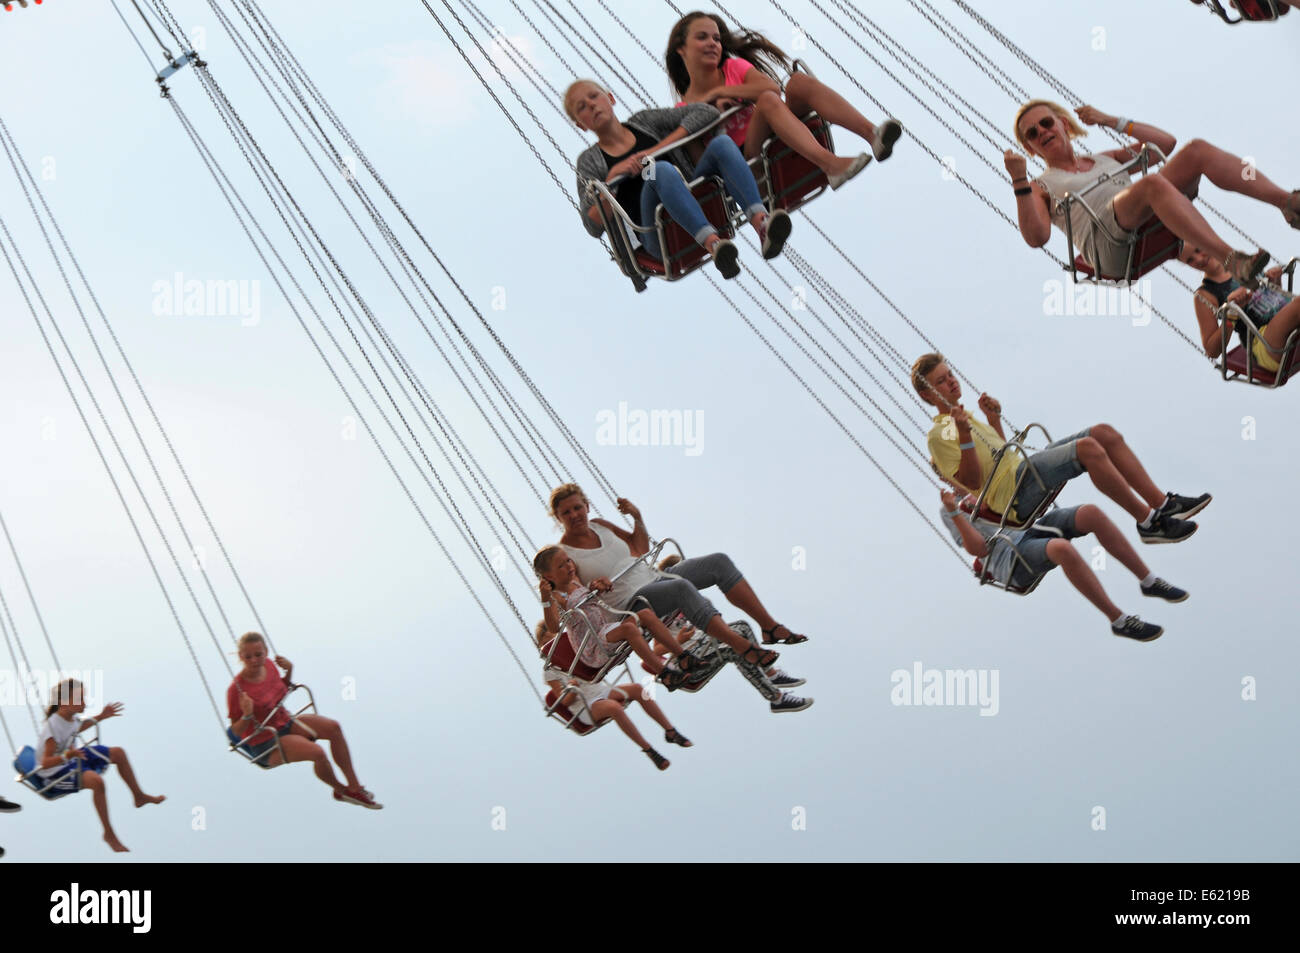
(722, 157)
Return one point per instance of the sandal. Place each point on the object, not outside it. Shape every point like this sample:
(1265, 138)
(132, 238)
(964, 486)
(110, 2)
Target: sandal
(660, 761)
(791, 639)
(675, 737)
(755, 656)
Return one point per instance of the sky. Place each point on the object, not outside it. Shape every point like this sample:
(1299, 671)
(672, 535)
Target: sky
(1097, 749)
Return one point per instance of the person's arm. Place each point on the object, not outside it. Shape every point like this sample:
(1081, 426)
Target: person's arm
(957, 523)
(1140, 131)
(637, 540)
(640, 544)
(969, 472)
(550, 607)
(50, 758)
(993, 413)
(1208, 324)
(1033, 204)
(591, 168)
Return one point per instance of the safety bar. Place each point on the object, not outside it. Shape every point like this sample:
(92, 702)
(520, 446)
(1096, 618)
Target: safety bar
(1216, 8)
(1018, 442)
(265, 722)
(1141, 162)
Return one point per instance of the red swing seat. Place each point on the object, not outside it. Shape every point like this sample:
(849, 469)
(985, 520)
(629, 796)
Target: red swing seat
(681, 253)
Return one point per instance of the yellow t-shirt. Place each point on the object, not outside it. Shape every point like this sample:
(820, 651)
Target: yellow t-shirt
(946, 453)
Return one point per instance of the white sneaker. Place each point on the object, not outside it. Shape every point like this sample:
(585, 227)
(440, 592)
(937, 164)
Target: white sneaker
(860, 163)
(887, 133)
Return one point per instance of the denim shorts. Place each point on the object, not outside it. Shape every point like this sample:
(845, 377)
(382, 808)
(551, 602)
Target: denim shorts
(1058, 524)
(258, 750)
(1056, 463)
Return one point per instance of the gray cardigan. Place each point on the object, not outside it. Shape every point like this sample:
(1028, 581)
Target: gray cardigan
(655, 123)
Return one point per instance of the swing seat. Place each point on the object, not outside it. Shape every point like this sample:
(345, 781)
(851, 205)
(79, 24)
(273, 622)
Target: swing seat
(1153, 245)
(786, 179)
(681, 253)
(49, 788)
(1252, 11)
(1240, 365)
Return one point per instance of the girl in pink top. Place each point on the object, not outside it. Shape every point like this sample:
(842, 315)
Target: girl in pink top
(709, 63)
(258, 690)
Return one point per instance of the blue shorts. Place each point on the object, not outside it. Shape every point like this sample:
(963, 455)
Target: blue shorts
(259, 750)
(1057, 524)
(67, 778)
(1055, 464)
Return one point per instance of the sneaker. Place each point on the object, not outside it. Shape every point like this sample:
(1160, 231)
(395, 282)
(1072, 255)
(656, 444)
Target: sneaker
(1184, 507)
(887, 133)
(1163, 590)
(774, 233)
(788, 702)
(726, 258)
(784, 679)
(1166, 529)
(359, 796)
(860, 163)
(1131, 627)
(9, 807)
(1246, 267)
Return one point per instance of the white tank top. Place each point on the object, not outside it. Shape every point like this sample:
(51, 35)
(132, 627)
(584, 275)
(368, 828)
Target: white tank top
(1058, 182)
(608, 559)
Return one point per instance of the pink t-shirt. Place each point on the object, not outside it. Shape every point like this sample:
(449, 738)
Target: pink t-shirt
(266, 694)
(734, 70)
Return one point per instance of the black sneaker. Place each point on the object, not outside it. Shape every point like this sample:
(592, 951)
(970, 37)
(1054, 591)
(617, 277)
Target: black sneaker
(726, 258)
(1183, 507)
(775, 233)
(1166, 529)
(9, 807)
(783, 679)
(1131, 627)
(788, 702)
(1162, 590)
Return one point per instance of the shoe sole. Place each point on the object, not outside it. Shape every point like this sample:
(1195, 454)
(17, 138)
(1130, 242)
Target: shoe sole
(1154, 595)
(1158, 540)
(1188, 514)
(728, 262)
(849, 176)
(778, 231)
(1131, 638)
(808, 703)
(791, 684)
(893, 133)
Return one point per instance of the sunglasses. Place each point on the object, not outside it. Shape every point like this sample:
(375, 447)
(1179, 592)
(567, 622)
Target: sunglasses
(1047, 122)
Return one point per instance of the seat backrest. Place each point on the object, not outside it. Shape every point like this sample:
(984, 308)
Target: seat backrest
(564, 657)
(25, 763)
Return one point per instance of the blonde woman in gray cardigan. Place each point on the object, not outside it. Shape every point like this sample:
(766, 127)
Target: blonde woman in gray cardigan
(618, 153)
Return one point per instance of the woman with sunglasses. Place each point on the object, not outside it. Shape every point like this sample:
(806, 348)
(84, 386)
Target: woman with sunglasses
(1047, 130)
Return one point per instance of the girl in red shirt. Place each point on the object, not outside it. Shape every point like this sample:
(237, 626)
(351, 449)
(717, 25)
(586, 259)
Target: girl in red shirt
(256, 693)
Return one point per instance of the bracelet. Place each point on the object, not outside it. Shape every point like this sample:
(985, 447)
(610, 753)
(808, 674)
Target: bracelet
(1020, 178)
(970, 445)
(1026, 190)
(546, 605)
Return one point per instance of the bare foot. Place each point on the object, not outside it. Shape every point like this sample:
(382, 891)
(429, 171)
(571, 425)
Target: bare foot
(112, 841)
(144, 799)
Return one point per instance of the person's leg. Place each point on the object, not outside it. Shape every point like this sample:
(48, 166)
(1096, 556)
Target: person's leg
(665, 184)
(659, 632)
(611, 708)
(722, 157)
(803, 93)
(327, 729)
(772, 115)
(637, 695)
(1227, 171)
(668, 595)
(1157, 194)
(629, 632)
(1281, 327)
(1082, 577)
(298, 748)
(1126, 462)
(119, 758)
(1090, 519)
(93, 783)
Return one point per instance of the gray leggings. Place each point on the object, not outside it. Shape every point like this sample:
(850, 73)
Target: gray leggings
(668, 595)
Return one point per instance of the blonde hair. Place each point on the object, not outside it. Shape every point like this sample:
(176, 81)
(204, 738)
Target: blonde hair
(1072, 127)
(541, 632)
(922, 369)
(544, 558)
(568, 94)
(248, 637)
(562, 493)
(672, 559)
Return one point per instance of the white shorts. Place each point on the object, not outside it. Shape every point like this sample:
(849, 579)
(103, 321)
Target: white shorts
(1099, 243)
(591, 694)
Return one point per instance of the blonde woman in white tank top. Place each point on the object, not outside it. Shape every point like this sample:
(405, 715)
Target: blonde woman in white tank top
(1047, 130)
